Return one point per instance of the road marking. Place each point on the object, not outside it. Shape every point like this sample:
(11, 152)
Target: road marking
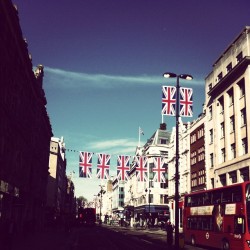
(146, 241)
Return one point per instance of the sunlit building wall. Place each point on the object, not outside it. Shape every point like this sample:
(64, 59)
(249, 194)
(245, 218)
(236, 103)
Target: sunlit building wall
(228, 114)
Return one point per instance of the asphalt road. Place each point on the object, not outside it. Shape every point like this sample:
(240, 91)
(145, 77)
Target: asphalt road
(98, 237)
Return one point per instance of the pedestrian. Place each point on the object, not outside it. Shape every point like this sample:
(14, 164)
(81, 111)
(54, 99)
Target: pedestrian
(169, 229)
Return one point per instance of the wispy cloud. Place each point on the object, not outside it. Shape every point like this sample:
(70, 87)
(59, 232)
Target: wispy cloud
(115, 146)
(67, 79)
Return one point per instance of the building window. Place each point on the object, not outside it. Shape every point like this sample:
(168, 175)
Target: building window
(223, 155)
(211, 160)
(244, 146)
(151, 198)
(164, 154)
(210, 112)
(221, 104)
(211, 136)
(233, 176)
(222, 133)
(163, 199)
(232, 125)
(163, 141)
(233, 151)
(230, 97)
(201, 179)
(194, 179)
(164, 185)
(200, 133)
(244, 174)
(241, 85)
(210, 86)
(229, 67)
(239, 57)
(223, 180)
(212, 182)
(243, 117)
(219, 77)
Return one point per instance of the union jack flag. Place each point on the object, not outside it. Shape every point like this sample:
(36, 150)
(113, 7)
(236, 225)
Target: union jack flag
(122, 167)
(141, 168)
(186, 102)
(168, 100)
(85, 164)
(159, 170)
(103, 164)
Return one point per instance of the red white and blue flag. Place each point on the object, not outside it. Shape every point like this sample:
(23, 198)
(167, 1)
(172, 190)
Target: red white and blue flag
(168, 100)
(122, 167)
(159, 170)
(141, 168)
(85, 164)
(186, 102)
(103, 165)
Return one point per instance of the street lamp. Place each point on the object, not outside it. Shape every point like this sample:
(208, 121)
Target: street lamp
(149, 200)
(177, 115)
(100, 194)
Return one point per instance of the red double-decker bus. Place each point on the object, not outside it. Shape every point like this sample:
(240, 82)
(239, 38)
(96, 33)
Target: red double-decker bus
(218, 218)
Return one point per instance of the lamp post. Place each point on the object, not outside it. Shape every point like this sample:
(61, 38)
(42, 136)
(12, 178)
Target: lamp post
(177, 177)
(149, 191)
(100, 194)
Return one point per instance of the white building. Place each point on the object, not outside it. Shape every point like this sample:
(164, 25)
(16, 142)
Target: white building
(144, 199)
(184, 168)
(228, 115)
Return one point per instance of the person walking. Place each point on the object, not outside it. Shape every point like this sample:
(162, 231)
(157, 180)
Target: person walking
(170, 230)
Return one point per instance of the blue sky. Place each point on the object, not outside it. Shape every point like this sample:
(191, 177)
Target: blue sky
(104, 61)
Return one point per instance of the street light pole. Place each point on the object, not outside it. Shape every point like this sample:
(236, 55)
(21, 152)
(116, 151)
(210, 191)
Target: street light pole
(101, 193)
(177, 176)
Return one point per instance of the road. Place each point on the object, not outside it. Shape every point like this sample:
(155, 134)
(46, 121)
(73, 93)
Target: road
(98, 237)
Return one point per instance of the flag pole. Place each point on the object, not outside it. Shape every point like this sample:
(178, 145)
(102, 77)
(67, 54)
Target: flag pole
(139, 142)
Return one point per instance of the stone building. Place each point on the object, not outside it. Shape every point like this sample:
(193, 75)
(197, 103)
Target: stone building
(25, 129)
(228, 115)
(57, 182)
(149, 199)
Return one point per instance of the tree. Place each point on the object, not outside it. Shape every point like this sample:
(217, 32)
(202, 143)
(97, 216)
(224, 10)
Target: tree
(81, 201)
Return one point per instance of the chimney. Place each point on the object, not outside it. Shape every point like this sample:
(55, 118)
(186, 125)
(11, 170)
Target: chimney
(163, 126)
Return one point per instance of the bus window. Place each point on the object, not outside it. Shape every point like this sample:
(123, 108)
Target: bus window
(200, 223)
(237, 194)
(207, 199)
(194, 200)
(239, 223)
(227, 196)
(188, 201)
(217, 197)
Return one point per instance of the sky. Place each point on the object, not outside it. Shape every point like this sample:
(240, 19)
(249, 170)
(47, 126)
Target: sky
(103, 65)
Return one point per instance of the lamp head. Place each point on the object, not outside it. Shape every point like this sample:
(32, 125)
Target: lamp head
(182, 76)
(186, 76)
(169, 75)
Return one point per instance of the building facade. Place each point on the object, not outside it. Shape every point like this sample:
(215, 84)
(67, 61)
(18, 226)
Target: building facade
(228, 115)
(184, 169)
(148, 200)
(57, 182)
(25, 129)
(197, 155)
